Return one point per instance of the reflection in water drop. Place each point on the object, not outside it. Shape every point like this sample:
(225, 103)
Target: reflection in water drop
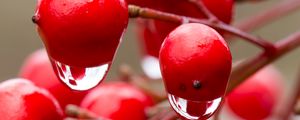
(78, 78)
(194, 110)
(151, 68)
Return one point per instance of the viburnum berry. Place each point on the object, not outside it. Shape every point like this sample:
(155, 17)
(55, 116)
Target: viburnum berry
(37, 68)
(81, 37)
(256, 98)
(22, 100)
(118, 101)
(81, 32)
(196, 63)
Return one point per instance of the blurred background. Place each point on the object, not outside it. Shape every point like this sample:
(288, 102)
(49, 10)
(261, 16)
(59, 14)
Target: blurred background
(18, 38)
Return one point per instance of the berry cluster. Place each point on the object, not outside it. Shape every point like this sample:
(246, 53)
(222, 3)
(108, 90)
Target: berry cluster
(81, 38)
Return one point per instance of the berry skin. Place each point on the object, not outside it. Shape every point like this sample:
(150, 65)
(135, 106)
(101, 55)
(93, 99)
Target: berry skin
(222, 9)
(118, 101)
(195, 62)
(37, 68)
(22, 100)
(256, 98)
(82, 33)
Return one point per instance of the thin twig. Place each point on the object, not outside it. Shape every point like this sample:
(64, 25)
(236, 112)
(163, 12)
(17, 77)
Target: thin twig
(143, 83)
(248, 67)
(161, 111)
(135, 11)
(74, 111)
(264, 17)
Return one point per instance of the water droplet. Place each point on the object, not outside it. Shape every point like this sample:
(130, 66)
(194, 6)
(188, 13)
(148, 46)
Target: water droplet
(79, 78)
(151, 67)
(194, 110)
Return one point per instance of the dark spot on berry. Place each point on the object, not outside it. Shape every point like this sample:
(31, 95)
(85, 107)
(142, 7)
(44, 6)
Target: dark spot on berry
(34, 19)
(197, 84)
(182, 88)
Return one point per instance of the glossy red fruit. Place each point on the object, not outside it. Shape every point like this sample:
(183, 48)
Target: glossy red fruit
(22, 100)
(195, 62)
(37, 68)
(82, 33)
(256, 98)
(151, 42)
(118, 101)
(222, 9)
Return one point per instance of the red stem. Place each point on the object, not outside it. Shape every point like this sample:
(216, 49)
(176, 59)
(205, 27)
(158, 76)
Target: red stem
(74, 111)
(245, 69)
(135, 11)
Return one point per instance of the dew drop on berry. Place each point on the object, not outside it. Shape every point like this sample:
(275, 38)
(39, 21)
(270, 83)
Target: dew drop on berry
(80, 78)
(151, 68)
(194, 110)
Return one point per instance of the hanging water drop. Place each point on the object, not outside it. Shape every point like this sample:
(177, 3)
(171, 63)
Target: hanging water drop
(80, 78)
(194, 110)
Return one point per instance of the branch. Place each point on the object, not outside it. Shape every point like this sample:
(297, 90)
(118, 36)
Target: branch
(135, 11)
(246, 68)
(161, 111)
(74, 111)
(143, 83)
(261, 18)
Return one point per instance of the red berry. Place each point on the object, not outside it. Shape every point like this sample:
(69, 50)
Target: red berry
(21, 100)
(195, 62)
(37, 68)
(118, 101)
(82, 33)
(151, 42)
(222, 9)
(256, 98)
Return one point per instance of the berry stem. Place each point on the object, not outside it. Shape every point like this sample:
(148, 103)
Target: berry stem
(161, 111)
(142, 82)
(136, 11)
(248, 67)
(271, 14)
(74, 111)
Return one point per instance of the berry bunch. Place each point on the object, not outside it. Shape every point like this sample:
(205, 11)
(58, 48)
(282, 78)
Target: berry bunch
(185, 37)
